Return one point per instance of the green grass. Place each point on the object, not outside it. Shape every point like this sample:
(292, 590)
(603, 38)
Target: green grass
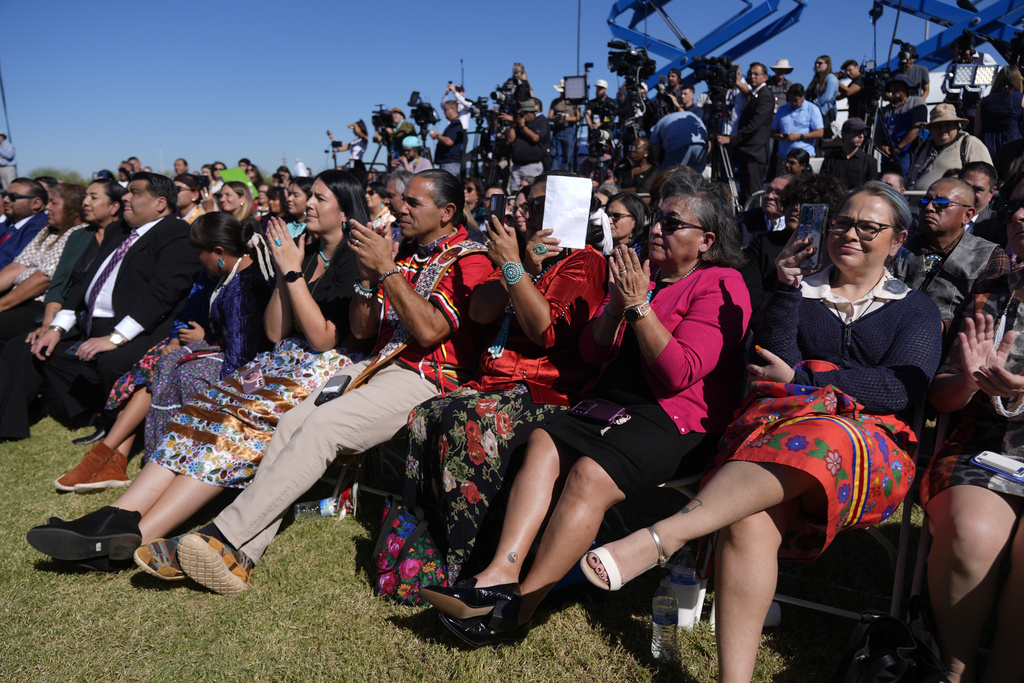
(310, 613)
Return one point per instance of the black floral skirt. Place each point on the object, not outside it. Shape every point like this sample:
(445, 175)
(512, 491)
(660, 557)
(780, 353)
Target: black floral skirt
(464, 449)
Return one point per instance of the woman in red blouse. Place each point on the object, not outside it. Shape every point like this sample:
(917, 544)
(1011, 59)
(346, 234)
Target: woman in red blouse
(670, 339)
(461, 445)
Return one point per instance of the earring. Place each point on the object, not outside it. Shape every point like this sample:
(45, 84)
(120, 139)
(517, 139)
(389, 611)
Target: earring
(220, 261)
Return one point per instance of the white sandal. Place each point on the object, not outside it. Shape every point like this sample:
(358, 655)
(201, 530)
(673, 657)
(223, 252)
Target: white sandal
(611, 569)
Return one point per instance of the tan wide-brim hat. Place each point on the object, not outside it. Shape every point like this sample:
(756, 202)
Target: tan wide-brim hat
(945, 112)
(782, 67)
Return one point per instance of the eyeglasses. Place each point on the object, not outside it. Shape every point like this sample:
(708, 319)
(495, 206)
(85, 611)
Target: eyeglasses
(1008, 209)
(633, 148)
(535, 204)
(819, 62)
(866, 230)
(616, 217)
(669, 225)
(938, 203)
(14, 196)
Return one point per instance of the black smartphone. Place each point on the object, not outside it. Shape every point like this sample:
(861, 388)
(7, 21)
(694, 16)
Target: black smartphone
(334, 388)
(204, 181)
(496, 207)
(813, 223)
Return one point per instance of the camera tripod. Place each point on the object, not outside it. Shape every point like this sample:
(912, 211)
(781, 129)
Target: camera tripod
(721, 163)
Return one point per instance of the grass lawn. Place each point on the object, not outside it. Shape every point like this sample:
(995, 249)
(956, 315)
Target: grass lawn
(310, 613)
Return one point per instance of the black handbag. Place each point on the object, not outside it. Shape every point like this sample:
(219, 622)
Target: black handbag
(884, 648)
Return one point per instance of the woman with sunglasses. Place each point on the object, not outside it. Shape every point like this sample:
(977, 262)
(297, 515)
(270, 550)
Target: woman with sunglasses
(627, 214)
(819, 446)
(975, 513)
(669, 338)
(823, 90)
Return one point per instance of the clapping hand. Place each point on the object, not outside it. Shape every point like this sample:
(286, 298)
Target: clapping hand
(286, 253)
(984, 363)
(375, 252)
(629, 280)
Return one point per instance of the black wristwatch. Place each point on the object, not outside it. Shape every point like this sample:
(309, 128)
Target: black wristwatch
(292, 276)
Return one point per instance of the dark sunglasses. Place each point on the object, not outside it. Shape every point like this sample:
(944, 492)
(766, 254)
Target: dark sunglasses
(939, 203)
(669, 225)
(1007, 209)
(14, 196)
(615, 217)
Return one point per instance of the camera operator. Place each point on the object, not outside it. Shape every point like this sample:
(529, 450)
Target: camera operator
(465, 104)
(916, 76)
(519, 85)
(602, 109)
(411, 160)
(400, 128)
(903, 118)
(965, 97)
(529, 136)
(450, 143)
(563, 117)
(356, 149)
(856, 102)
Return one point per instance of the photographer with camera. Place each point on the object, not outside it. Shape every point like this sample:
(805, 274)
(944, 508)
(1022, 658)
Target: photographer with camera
(563, 117)
(901, 123)
(450, 143)
(529, 136)
(856, 101)
(602, 109)
(356, 149)
(464, 103)
(397, 132)
(916, 76)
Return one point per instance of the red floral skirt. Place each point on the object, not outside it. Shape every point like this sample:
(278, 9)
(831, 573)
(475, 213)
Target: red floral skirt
(863, 461)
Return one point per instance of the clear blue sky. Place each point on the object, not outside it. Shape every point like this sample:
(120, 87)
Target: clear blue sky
(90, 84)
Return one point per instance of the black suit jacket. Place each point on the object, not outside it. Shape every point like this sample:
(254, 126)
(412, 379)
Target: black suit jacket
(155, 277)
(988, 227)
(754, 128)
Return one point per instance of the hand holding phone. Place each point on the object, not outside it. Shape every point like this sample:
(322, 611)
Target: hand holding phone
(813, 224)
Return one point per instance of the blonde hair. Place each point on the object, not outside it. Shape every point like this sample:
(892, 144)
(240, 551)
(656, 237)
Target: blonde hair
(520, 69)
(240, 188)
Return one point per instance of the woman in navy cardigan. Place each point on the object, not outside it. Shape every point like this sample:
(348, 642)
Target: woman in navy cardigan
(671, 348)
(819, 445)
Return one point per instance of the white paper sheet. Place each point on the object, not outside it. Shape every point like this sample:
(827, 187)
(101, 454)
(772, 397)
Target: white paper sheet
(567, 210)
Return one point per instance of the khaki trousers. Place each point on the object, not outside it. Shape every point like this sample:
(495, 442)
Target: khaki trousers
(309, 438)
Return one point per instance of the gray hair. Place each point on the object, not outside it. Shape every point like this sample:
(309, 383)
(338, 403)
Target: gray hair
(401, 178)
(897, 204)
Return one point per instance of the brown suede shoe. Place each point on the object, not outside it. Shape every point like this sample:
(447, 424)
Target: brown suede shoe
(91, 463)
(114, 473)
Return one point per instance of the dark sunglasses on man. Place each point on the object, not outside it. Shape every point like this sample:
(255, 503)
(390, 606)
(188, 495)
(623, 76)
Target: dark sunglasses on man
(1007, 209)
(14, 196)
(939, 203)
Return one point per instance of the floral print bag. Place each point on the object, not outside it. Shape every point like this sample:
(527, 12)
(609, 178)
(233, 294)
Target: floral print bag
(406, 556)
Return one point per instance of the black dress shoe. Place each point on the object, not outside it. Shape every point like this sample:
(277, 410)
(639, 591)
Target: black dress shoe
(477, 632)
(464, 600)
(90, 438)
(106, 533)
(104, 565)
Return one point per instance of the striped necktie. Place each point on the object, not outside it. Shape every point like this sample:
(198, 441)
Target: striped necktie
(104, 275)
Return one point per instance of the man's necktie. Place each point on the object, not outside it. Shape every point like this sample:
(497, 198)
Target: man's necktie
(111, 266)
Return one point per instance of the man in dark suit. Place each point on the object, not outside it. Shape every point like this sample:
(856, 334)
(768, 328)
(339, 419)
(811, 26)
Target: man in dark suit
(982, 178)
(120, 308)
(24, 208)
(751, 137)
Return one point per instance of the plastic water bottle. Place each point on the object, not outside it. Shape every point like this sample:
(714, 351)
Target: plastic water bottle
(686, 587)
(664, 623)
(328, 507)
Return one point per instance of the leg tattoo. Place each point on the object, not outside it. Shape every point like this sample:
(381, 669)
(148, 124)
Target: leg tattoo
(512, 557)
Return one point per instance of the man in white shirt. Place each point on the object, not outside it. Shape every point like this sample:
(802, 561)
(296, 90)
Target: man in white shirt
(122, 306)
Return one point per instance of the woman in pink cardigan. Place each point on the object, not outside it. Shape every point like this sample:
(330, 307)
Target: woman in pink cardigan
(673, 367)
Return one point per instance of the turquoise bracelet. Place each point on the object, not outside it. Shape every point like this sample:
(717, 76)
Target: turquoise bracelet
(512, 272)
